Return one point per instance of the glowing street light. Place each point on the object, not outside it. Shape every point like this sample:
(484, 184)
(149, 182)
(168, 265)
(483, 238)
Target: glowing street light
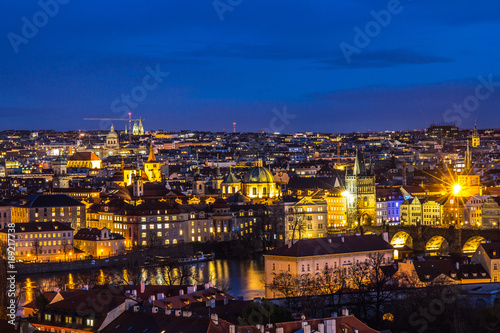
(456, 189)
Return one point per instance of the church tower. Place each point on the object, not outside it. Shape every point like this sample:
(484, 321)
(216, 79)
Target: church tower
(152, 166)
(476, 141)
(138, 184)
(360, 188)
(60, 179)
(198, 184)
(217, 179)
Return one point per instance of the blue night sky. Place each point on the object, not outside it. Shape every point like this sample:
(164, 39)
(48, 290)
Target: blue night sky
(246, 58)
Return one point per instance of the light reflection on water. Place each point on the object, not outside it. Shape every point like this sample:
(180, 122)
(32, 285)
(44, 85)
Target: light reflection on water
(243, 278)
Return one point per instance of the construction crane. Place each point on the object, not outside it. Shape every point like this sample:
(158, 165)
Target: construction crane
(121, 119)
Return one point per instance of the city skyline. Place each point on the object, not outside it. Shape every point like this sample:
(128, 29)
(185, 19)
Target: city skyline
(329, 67)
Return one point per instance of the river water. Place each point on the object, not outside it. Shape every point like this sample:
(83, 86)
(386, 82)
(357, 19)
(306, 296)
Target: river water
(239, 278)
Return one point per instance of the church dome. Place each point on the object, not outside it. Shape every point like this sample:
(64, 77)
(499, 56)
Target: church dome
(258, 174)
(112, 134)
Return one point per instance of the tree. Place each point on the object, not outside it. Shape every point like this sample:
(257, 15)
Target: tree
(66, 248)
(37, 248)
(153, 241)
(333, 284)
(297, 224)
(381, 283)
(264, 313)
(285, 284)
(41, 301)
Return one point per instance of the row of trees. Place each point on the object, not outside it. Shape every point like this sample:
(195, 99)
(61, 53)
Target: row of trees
(367, 285)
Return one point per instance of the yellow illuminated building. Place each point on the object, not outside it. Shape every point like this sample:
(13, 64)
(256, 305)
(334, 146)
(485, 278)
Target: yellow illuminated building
(337, 211)
(152, 167)
(259, 183)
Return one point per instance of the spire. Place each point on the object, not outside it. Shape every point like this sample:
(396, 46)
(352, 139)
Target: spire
(151, 157)
(359, 164)
(140, 129)
(112, 128)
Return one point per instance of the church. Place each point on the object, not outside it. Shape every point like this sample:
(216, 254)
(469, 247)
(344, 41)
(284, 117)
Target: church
(258, 184)
(111, 146)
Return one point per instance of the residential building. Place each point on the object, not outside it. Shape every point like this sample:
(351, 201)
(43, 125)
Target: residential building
(42, 241)
(99, 242)
(305, 218)
(51, 208)
(488, 255)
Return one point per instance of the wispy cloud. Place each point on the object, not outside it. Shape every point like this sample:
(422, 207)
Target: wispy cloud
(381, 59)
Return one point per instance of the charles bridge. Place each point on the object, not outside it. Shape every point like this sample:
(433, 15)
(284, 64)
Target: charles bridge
(434, 239)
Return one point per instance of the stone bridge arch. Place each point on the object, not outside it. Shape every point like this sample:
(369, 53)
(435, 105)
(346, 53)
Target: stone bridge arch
(437, 245)
(401, 239)
(472, 244)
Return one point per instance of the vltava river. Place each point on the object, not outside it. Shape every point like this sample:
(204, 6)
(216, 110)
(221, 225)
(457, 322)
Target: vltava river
(240, 278)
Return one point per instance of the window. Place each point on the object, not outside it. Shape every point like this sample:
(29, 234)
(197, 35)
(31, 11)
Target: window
(303, 270)
(289, 268)
(274, 266)
(48, 317)
(68, 320)
(90, 322)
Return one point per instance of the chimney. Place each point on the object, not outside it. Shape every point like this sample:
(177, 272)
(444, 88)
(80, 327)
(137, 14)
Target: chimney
(134, 292)
(342, 239)
(131, 283)
(457, 265)
(215, 318)
(232, 329)
(289, 244)
(160, 296)
(212, 303)
(279, 330)
(321, 328)
(385, 236)
(331, 326)
(143, 287)
(307, 329)
(181, 292)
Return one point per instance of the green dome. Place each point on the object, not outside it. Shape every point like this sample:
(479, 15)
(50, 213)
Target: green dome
(60, 160)
(258, 174)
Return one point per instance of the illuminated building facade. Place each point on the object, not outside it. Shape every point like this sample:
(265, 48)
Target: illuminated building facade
(152, 166)
(360, 194)
(99, 242)
(43, 241)
(336, 204)
(258, 183)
